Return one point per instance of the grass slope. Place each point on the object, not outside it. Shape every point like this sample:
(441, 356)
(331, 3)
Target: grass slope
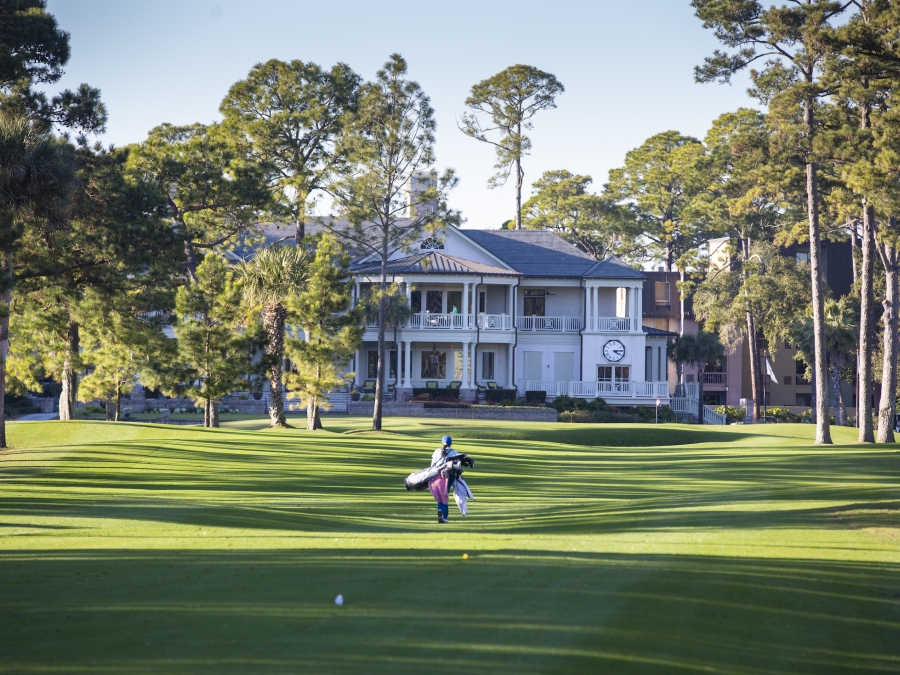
(131, 548)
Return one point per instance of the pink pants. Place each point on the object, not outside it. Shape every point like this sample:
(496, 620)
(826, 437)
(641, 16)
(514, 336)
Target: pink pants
(438, 487)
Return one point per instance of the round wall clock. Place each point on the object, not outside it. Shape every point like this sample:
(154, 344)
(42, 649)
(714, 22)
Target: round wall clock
(614, 351)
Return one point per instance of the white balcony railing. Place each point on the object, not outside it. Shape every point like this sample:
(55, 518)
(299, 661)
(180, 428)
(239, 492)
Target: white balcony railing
(614, 324)
(428, 321)
(495, 322)
(553, 324)
(595, 388)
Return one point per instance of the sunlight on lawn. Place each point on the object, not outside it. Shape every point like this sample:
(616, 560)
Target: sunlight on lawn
(137, 548)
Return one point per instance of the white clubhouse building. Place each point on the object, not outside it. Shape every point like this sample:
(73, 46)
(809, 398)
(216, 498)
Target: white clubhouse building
(521, 309)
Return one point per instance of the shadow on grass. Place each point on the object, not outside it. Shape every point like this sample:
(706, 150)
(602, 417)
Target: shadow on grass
(276, 486)
(202, 611)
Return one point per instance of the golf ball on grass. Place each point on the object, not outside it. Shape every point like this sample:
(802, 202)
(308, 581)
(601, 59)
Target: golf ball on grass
(339, 600)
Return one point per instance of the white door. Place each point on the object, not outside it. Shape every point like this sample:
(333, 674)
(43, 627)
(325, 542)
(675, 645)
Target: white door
(563, 366)
(533, 365)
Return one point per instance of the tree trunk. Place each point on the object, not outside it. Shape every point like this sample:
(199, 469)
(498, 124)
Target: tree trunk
(313, 421)
(301, 231)
(755, 378)
(214, 414)
(118, 403)
(5, 298)
(888, 404)
(274, 317)
(823, 432)
(70, 374)
(752, 343)
(840, 412)
(207, 410)
(382, 310)
(190, 259)
(520, 175)
(110, 410)
(866, 328)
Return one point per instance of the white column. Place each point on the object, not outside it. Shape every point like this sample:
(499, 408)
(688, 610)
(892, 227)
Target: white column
(358, 367)
(474, 362)
(357, 293)
(465, 364)
(638, 309)
(465, 305)
(404, 366)
(408, 357)
(510, 300)
(408, 294)
(510, 375)
(594, 308)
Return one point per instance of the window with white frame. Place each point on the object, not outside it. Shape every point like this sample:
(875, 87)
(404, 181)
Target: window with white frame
(431, 244)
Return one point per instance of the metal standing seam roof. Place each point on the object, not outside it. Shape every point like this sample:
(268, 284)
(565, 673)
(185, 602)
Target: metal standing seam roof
(658, 332)
(536, 253)
(432, 262)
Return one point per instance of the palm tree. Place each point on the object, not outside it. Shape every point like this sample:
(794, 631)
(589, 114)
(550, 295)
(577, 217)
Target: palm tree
(269, 279)
(697, 350)
(37, 173)
(841, 338)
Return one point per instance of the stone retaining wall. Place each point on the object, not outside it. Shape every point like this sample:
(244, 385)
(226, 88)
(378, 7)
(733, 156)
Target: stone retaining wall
(139, 405)
(47, 405)
(419, 410)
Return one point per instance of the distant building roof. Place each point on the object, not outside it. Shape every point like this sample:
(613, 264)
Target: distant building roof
(537, 253)
(431, 262)
(657, 332)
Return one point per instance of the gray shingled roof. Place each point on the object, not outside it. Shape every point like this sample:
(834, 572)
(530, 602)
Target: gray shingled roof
(535, 253)
(431, 263)
(613, 268)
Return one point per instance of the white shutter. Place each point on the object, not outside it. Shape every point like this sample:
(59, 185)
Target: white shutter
(533, 363)
(563, 366)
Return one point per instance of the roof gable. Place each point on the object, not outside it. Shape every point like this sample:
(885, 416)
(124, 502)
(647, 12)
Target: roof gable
(431, 262)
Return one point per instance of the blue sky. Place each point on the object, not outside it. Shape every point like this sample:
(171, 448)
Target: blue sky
(627, 66)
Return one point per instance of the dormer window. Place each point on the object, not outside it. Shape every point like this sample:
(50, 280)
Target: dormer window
(431, 244)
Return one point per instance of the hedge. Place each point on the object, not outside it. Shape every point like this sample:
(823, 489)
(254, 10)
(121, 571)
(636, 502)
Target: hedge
(445, 391)
(499, 395)
(538, 396)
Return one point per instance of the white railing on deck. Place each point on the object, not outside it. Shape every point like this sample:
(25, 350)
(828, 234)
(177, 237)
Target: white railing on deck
(595, 388)
(614, 324)
(495, 322)
(437, 321)
(557, 324)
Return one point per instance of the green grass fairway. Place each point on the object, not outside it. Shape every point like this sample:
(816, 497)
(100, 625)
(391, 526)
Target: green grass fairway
(132, 548)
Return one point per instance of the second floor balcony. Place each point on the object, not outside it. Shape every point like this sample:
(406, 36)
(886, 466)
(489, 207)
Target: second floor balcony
(454, 321)
(550, 324)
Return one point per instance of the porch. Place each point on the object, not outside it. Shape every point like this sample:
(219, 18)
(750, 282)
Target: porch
(593, 388)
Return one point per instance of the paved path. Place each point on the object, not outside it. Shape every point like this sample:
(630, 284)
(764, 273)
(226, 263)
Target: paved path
(38, 417)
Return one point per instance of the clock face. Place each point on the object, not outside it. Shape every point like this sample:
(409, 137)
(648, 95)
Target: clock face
(614, 351)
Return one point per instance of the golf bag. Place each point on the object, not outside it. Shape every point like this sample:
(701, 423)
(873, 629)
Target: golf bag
(418, 480)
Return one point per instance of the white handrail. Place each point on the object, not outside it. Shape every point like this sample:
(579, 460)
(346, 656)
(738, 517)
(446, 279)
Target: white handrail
(495, 322)
(557, 324)
(614, 324)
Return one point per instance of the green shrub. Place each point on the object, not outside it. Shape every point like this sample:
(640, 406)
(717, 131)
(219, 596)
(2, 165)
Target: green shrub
(781, 414)
(599, 417)
(92, 410)
(732, 414)
(536, 396)
(649, 413)
(418, 398)
(502, 396)
(368, 397)
(446, 404)
(569, 404)
(444, 391)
